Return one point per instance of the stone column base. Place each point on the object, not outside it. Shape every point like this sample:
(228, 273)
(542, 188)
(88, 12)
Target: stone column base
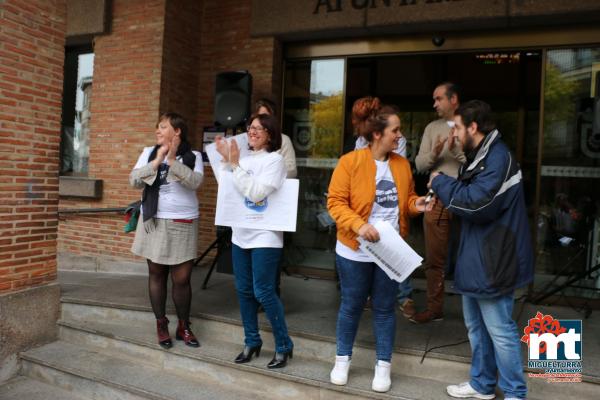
(27, 319)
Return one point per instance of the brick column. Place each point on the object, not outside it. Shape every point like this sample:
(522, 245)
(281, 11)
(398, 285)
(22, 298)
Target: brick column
(32, 36)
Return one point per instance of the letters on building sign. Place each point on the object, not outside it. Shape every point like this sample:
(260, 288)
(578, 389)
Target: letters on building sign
(336, 5)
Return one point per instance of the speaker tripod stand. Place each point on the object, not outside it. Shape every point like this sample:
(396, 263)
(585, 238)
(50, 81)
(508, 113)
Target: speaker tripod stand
(218, 243)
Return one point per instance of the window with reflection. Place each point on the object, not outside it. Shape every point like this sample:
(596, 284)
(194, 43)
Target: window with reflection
(568, 226)
(76, 115)
(313, 118)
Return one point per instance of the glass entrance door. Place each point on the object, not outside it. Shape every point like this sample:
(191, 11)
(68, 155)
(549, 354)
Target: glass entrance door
(313, 118)
(318, 100)
(568, 224)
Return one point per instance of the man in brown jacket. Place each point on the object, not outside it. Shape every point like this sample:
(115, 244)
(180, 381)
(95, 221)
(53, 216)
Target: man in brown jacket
(438, 152)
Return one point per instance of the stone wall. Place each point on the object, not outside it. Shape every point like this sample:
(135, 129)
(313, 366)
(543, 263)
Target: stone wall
(28, 320)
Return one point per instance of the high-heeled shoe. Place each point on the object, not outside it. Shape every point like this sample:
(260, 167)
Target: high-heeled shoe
(162, 331)
(280, 359)
(185, 333)
(247, 354)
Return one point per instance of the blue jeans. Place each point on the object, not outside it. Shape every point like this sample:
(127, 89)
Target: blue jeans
(359, 280)
(404, 290)
(495, 346)
(255, 276)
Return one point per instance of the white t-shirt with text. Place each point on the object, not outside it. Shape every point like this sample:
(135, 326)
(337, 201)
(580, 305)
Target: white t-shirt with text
(385, 208)
(174, 200)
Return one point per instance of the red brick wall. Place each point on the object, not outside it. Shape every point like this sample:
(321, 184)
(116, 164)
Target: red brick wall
(181, 60)
(124, 107)
(149, 63)
(31, 77)
(227, 46)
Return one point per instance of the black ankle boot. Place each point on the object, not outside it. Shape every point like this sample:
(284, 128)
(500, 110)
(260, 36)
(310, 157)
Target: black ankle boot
(247, 354)
(280, 359)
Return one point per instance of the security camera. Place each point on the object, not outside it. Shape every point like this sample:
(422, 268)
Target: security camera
(438, 41)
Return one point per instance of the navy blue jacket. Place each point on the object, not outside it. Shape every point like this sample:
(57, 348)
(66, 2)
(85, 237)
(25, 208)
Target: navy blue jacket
(494, 255)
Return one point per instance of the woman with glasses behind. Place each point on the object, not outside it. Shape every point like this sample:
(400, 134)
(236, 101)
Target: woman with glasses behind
(256, 252)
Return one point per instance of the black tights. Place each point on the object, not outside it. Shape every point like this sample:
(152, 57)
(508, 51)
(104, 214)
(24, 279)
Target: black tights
(158, 275)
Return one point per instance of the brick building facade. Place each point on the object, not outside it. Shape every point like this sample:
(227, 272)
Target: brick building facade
(156, 58)
(153, 56)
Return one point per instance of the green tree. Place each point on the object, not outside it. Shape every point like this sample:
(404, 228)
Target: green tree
(559, 95)
(326, 117)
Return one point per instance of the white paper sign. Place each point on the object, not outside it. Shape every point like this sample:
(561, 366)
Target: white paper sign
(391, 253)
(275, 213)
(215, 158)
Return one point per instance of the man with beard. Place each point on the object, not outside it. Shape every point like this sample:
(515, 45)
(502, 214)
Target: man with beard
(438, 152)
(494, 256)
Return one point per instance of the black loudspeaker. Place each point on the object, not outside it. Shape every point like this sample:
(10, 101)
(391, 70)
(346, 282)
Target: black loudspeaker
(232, 98)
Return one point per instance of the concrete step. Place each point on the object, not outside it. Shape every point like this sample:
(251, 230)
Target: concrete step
(100, 375)
(308, 346)
(22, 388)
(316, 349)
(303, 378)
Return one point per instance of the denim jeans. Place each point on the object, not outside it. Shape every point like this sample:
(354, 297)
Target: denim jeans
(255, 276)
(495, 346)
(359, 280)
(404, 290)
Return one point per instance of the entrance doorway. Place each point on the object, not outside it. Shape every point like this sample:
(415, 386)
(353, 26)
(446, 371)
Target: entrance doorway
(318, 103)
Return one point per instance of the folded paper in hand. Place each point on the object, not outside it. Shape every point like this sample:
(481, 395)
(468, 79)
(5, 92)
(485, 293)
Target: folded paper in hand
(391, 253)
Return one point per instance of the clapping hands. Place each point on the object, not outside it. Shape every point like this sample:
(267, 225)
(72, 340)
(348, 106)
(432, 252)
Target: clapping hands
(439, 146)
(228, 149)
(173, 147)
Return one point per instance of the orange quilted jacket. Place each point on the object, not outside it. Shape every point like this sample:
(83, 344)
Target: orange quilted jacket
(352, 192)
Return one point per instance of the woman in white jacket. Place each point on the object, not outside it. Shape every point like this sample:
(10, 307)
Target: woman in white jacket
(256, 253)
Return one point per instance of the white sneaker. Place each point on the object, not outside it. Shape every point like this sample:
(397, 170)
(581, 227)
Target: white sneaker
(382, 380)
(465, 390)
(339, 373)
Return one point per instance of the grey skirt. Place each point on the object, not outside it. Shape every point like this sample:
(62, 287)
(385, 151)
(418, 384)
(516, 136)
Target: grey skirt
(169, 243)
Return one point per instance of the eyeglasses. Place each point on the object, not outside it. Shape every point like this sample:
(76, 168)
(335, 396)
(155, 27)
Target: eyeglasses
(258, 129)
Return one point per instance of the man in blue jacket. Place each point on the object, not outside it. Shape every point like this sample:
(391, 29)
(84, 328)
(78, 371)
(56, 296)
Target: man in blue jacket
(494, 256)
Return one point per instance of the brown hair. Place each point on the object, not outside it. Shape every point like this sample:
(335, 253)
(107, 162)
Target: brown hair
(178, 122)
(369, 116)
(479, 112)
(266, 103)
(269, 122)
(452, 89)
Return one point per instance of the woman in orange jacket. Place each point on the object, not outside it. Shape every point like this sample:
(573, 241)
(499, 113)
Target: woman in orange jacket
(369, 185)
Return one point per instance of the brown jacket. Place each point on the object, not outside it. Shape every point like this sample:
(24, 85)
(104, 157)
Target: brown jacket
(352, 192)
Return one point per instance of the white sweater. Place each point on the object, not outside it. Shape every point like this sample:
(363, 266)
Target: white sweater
(259, 174)
(288, 154)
